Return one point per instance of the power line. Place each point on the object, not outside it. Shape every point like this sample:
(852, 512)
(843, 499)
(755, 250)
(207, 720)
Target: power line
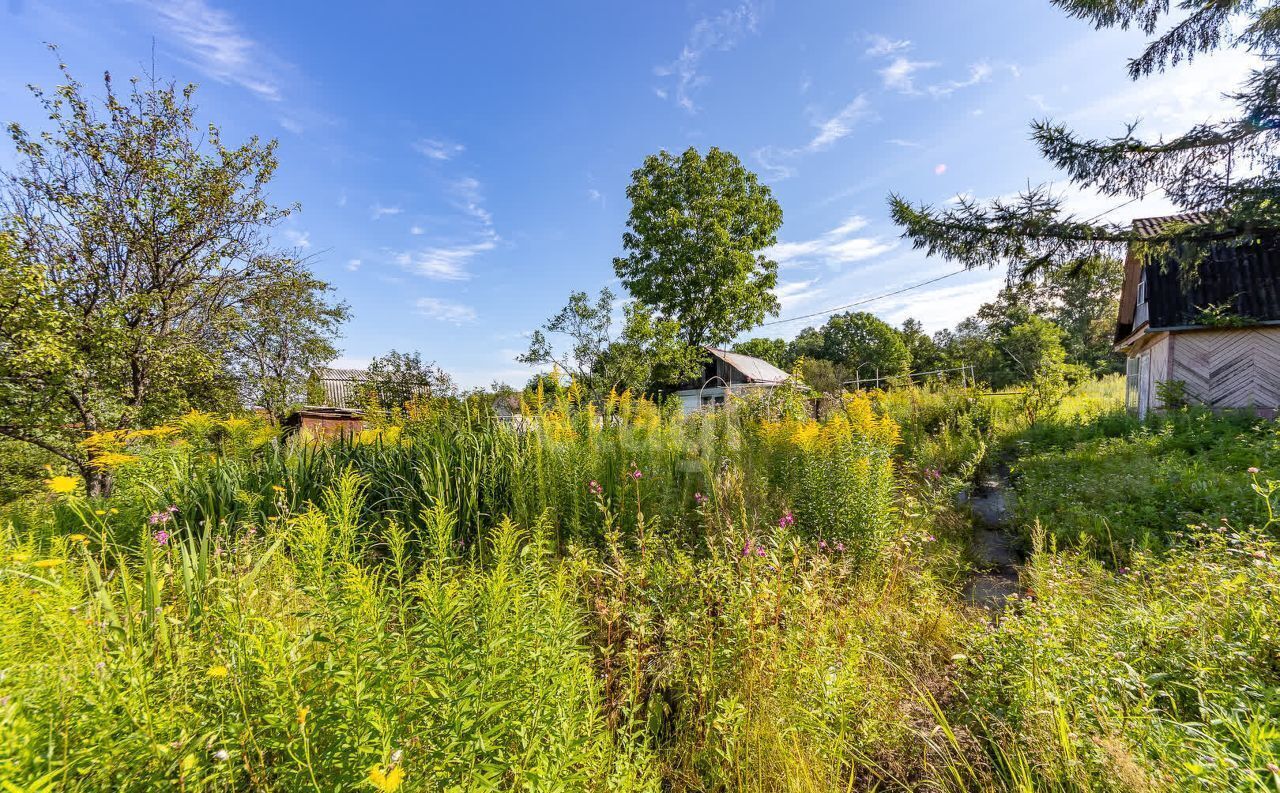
(874, 298)
(866, 300)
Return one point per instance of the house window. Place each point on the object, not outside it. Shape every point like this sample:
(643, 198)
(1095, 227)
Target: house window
(1142, 286)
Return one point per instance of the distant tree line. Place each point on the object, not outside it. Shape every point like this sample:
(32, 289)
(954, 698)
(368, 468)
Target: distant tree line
(1064, 321)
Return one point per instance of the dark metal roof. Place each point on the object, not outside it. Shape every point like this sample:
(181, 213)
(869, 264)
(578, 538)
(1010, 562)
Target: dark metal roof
(1150, 227)
(1242, 278)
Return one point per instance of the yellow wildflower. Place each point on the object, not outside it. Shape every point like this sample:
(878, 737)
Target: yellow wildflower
(303, 710)
(113, 459)
(45, 564)
(77, 538)
(218, 671)
(114, 511)
(386, 781)
(61, 484)
(277, 488)
(99, 512)
(189, 763)
(21, 557)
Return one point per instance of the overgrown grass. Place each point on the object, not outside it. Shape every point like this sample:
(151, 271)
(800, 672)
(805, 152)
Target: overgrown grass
(709, 604)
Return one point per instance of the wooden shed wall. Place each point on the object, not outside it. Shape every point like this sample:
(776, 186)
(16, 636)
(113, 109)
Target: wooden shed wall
(1228, 368)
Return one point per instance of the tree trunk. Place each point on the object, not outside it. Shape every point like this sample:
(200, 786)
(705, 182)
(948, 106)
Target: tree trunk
(97, 482)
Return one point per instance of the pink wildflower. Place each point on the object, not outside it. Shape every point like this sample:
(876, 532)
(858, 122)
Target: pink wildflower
(1253, 469)
(840, 547)
(594, 488)
(161, 537)
(760, 550)
(746, 549)
(822, 545)
(786, 520)
(699, 499)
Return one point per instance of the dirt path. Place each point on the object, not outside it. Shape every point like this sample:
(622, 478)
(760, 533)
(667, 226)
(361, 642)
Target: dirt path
(994, 549)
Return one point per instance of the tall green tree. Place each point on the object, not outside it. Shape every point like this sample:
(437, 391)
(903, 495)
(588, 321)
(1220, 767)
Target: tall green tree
(854, 338)
(136, 234)
(286, 326)
(398, 378)
(1228, 168)
(695, 239)
(647, 352)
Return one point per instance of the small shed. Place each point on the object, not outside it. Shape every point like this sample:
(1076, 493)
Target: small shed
(1213, 336)
(324, 422)
(724, 373)
(339, 386)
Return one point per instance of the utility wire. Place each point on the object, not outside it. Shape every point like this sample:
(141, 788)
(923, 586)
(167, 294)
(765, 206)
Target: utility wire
(874, 298)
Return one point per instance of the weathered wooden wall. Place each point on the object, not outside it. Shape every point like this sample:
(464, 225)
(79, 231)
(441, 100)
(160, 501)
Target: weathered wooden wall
(1228, 368)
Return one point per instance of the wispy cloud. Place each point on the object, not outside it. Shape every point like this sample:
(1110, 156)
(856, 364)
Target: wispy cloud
(436, 149)
(721, 33)
(979, 72)
(445, 311)
(443, 263)
(417, 230)
(354, 264)
(298, 239)
(904, 143)
(216, 45)
(840, 125)
(834, 248)
(595, 196)
(449, 259)
(880, 46)
(900, 74)
(378, 211)
(778, 162)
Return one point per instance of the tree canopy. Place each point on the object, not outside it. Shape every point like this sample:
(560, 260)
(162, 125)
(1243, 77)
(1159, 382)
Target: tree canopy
(695, 239)
(135, 240)
(647, 351)
(1227, 169)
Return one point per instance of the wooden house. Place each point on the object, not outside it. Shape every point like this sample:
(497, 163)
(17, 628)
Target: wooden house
(1211, 337)
(725, 373)
(324, 422)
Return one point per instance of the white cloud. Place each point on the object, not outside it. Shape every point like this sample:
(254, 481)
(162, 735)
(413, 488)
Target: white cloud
(1170, 103)
(442, 263)
(979, 72)
(941, 307)
(881, 46)
(378, 211)
(216, 45)
(776, 161)
(840, 125)
(834, 248)
(795, 293)
(721, 32)
(940, 169)
(471, 200)
(298, 239)
(445, 311)
(417, 230)
(354, 264)
(906, 144)
(438, 149)
(595, 195)
(899, 75)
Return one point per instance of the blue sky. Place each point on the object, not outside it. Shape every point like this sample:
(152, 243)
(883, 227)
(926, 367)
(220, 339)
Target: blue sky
(461, 169)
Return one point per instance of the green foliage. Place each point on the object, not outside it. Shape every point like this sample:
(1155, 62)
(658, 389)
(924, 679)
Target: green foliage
(772, 350)
(695, 234)
(649, 352)
(1033, 233)
(1136, 488)
(1156, 676)
(135, 234)
(284, 329)
(399, 378)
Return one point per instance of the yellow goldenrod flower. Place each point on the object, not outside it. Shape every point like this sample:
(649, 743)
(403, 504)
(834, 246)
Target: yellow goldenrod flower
(115, 511)
(77, 538)
(277, 488)
(386, 781)
(45, 564)
(218, 671)
(99, 512)
(21, 557)
(61, 484)
(303, 710)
